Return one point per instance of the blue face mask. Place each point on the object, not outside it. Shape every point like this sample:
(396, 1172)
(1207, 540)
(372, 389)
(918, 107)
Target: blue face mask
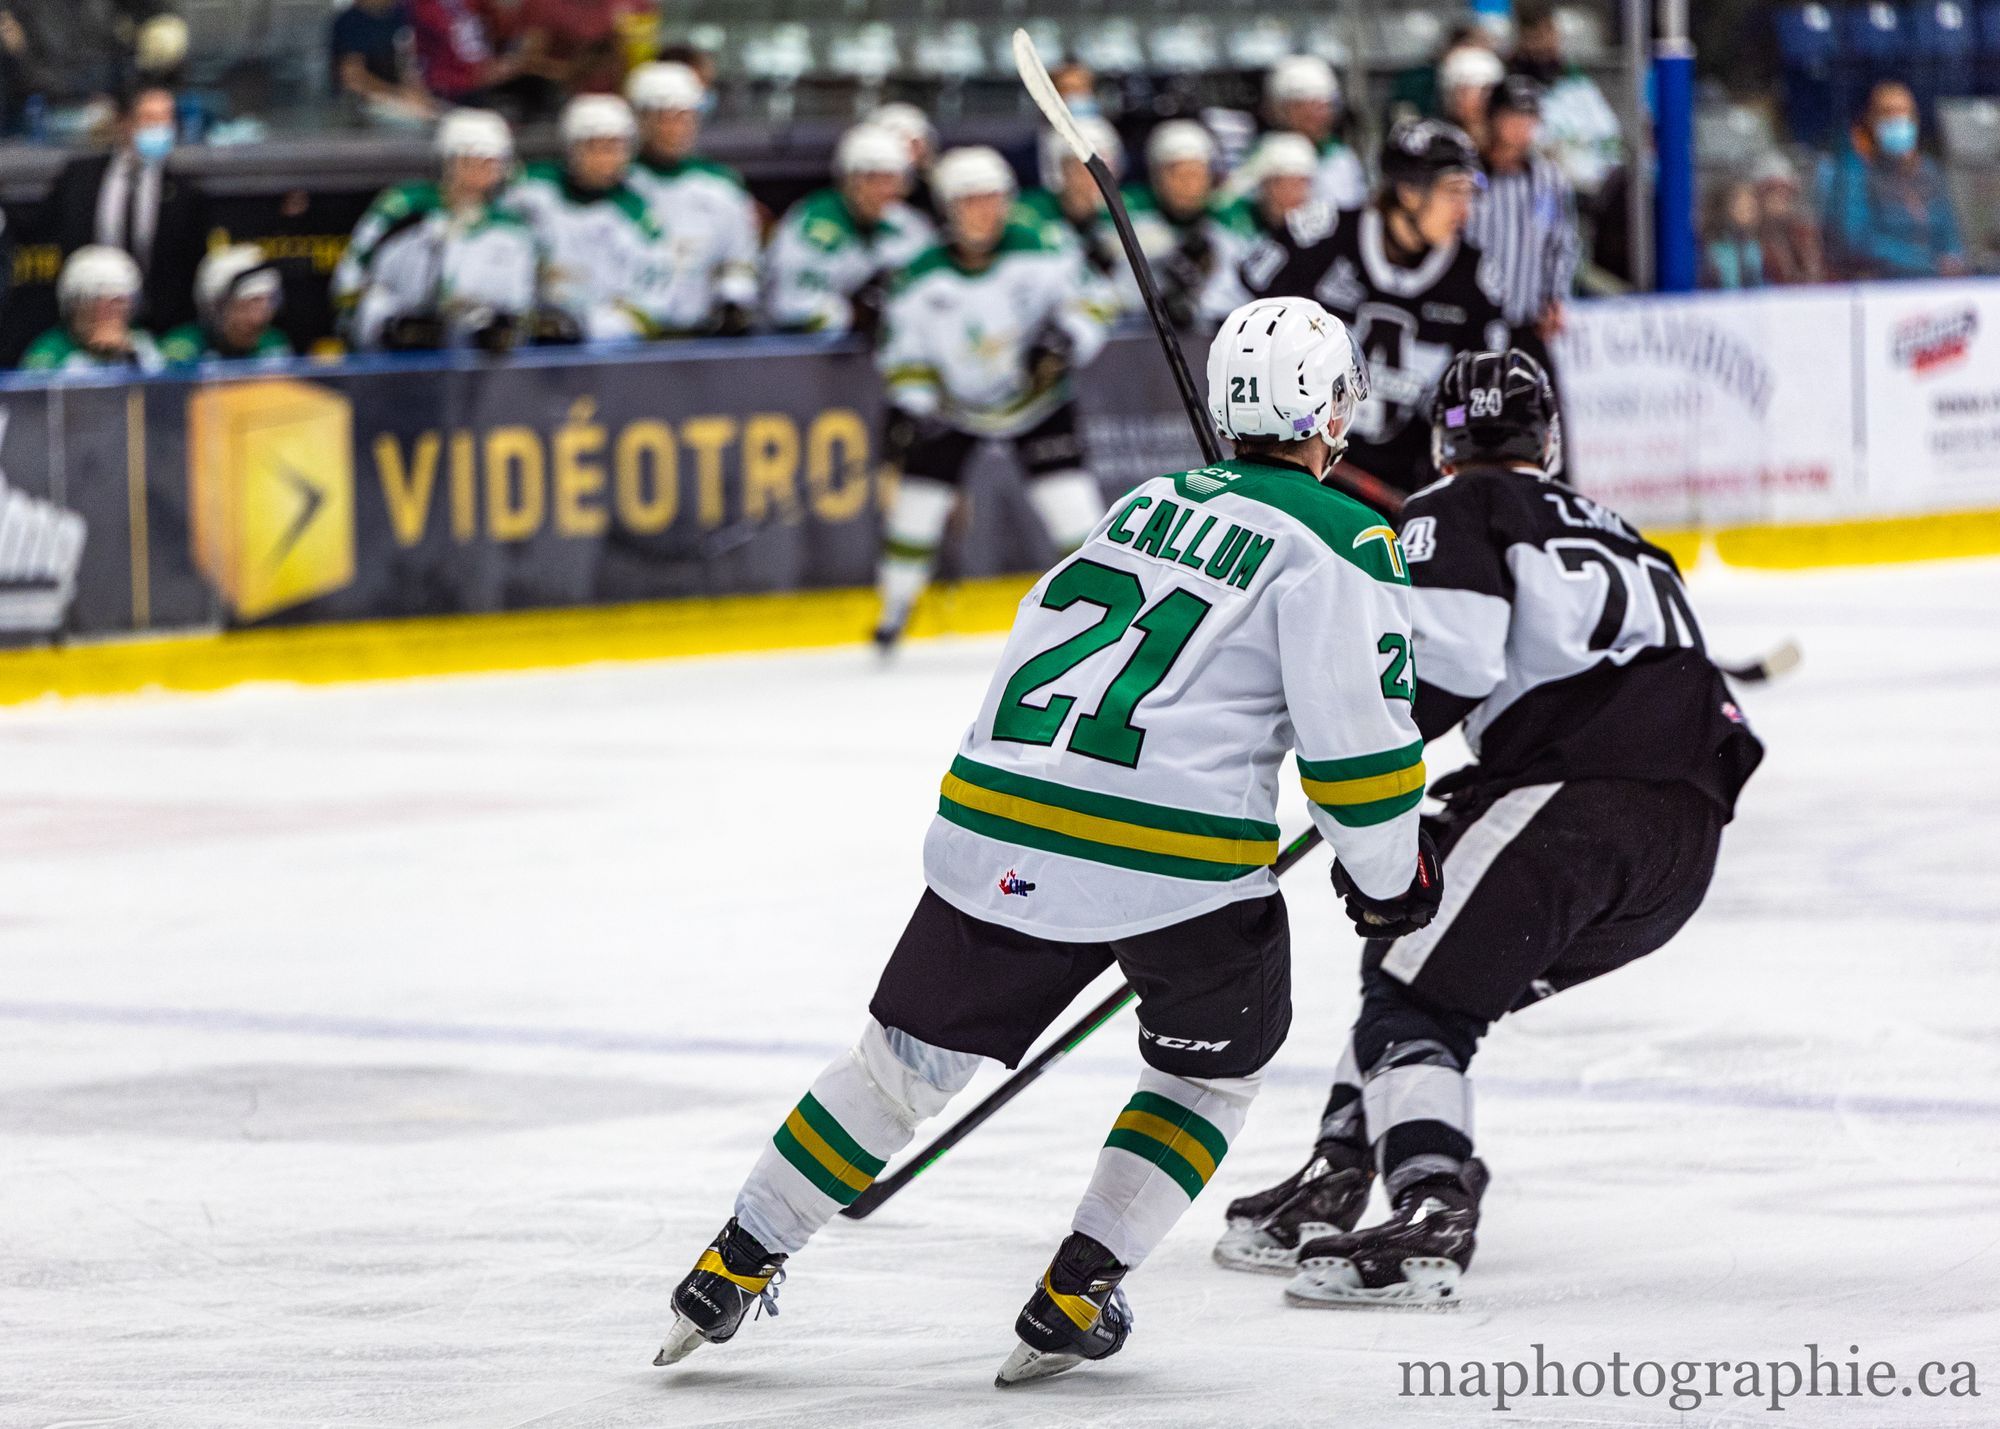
(1897, 135)
(153, 143)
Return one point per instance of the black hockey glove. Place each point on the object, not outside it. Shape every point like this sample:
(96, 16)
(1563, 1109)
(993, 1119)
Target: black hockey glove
(903, 432)
(732, 320)
(555, 327)
(1049, 355)
(494, 333)
(1408, 911)
(865, 304)
(413, 332)
(1183, 275)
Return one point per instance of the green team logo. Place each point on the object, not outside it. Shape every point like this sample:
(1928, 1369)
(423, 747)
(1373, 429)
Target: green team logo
(1387, 537)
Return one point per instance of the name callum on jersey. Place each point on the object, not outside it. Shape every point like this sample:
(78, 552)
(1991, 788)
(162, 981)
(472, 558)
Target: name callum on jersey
(1233, 559)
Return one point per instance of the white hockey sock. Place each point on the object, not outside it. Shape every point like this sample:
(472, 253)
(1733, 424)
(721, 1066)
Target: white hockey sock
(863, 1110)
(1162, 1150)
(1343, 1119)
(1070, 506)
(1418, 1103)
(914, 530)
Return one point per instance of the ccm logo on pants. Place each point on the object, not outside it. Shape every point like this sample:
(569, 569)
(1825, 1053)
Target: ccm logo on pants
(1182, 1044)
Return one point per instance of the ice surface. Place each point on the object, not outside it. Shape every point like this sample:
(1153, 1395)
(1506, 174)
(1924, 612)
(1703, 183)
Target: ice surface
(381, 1055)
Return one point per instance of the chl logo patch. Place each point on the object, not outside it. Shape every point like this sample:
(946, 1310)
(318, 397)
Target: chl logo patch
(1012, 885)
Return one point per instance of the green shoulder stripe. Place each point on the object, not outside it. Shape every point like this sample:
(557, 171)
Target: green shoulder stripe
(1354, 532)
(823, 221)
(1238, 216)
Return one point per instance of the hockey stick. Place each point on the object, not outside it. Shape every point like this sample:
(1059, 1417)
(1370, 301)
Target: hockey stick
(1031, 1070)
(1035, 75)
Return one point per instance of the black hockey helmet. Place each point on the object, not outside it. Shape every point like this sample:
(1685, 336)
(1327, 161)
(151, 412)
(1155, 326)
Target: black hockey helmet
(1419, 152)
(1516, 92)
(1493, 407)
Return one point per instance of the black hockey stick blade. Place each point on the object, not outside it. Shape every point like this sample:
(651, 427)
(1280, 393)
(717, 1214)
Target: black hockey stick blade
(1031, 1070)
(1780, 661)
(1035, 75)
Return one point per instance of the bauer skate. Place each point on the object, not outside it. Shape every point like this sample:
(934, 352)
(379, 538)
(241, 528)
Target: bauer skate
(734, 1273)
(1077, 1313)
(1413, 1260)
(1324, 1197)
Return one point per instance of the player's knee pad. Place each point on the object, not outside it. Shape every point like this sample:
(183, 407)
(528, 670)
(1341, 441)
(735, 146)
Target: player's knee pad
(918, 515)
(913, 1078)
(1070, 505)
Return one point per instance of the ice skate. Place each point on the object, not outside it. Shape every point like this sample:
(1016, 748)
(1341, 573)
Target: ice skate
(1324, 1197)
(734, 1273)
(1077, 1313)
(1413, 1260)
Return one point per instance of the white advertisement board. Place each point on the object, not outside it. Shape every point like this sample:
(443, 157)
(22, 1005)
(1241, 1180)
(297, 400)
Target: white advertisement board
(1715, 409)
(1931, 374)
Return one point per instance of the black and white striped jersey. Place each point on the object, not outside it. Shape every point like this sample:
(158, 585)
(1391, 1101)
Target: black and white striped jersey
(1564, 639)
(1407, 321)
(1525, 226)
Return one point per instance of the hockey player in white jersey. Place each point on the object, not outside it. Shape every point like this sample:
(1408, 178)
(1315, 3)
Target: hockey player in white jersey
(1278, 203)
(1609, 757)
(836, 250)
(1180, 220)
(1302, 96)
(706, 213)
(1115, 803)
(979, 342)
(1068, 202)
(608, 264)
(437, 264)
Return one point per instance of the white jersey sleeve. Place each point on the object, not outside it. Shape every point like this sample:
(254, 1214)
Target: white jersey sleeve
(1351, 690)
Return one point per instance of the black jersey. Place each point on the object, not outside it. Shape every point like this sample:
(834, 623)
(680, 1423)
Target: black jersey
(1408, 323)
(1565, 640)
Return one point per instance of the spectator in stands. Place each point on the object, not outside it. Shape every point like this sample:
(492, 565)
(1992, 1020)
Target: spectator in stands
(460, 61)
(128, 199)
(70, 52)
(1068, 201)
(1786, 230)
(704, 208)
(437, 264)
(1178, 219)
(374, 66)
(1884, 203)
(1731, 254)
(1524, 223)
(583, 46)
(835, 251)
(1302, 96)
(1580, 129)
(1466, 78)
(236, 291)
(96, 294)
(608, 263)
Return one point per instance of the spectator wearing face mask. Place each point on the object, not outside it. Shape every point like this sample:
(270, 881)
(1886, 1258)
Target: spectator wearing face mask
(1731, 254)
(129, 200)
(1885, 206)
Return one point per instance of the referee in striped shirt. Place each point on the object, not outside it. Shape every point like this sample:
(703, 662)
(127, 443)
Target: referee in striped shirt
(1525, 221)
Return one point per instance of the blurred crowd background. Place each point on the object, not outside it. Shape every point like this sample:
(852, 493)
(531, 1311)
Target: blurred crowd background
(188, 180)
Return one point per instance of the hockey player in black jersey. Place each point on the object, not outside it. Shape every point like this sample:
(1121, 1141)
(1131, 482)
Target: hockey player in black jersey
(1609, 757)
(1406, 284)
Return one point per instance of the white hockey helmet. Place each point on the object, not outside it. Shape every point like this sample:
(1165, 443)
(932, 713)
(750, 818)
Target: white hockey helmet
(1286, 369)
(1280, 156)
(974, 169)
(1470, 67)
(664, 85)
(1176, 141)
(597, 116)
(1102, 138)
(96, 270)
(871, 149)
(907, 122)
(239, 271)
(474, 134)
(1297, 77)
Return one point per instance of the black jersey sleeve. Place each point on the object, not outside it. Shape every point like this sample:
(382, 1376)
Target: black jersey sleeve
(1461, 598)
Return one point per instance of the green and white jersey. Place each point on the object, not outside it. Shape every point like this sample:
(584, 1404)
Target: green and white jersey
(412, 256)
(1159, 235)
(191, 343)
(711, 228)
(820, 255)
(1340, 181)
(607, 261)
(955, 339)
(1123, 772)
(57, 351)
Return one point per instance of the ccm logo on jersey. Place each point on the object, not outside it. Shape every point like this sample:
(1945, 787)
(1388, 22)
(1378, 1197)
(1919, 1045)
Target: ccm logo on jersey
(1182, 1044)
